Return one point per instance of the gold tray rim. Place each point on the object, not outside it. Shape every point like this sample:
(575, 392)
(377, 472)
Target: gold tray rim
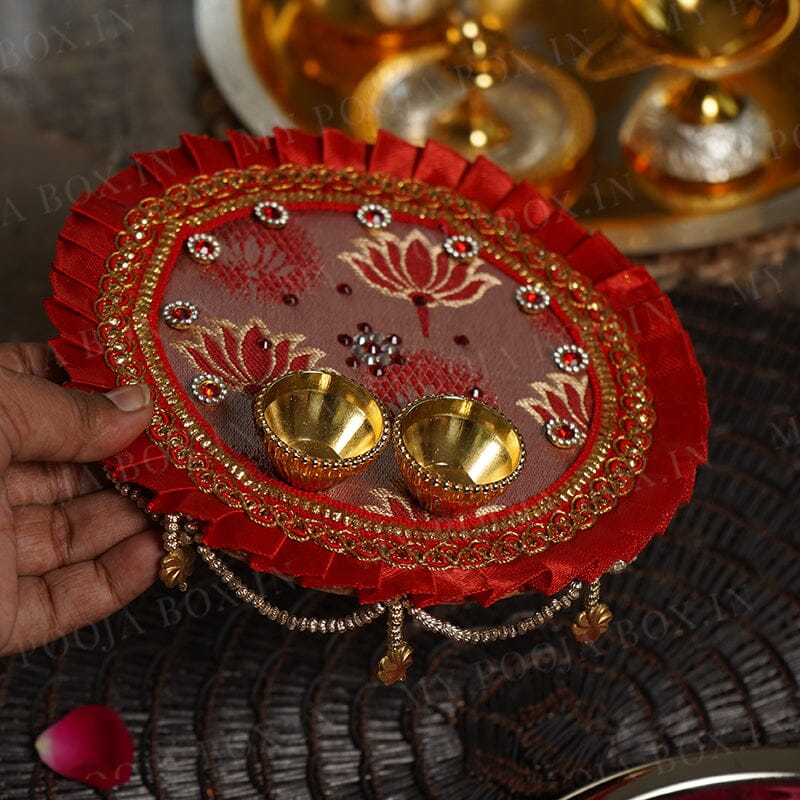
(221, 39)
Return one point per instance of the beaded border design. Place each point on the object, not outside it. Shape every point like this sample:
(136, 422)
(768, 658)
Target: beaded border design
(606, 474)
(180, 530)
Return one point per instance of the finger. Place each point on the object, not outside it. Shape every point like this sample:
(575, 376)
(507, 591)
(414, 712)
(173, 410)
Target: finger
(32, 358)
(69, 598)
(45, 482)
(8, 569)
(40, 421)
(56, 535)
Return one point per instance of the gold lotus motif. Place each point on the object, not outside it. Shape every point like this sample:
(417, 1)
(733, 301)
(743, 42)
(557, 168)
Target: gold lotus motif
(176, 567)
(319, 427)
(592, 623)
(455, 453)
(394, 665)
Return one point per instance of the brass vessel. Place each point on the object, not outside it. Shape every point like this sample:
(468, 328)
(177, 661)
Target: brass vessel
(455, 453)
(319, 427)
(692, 123)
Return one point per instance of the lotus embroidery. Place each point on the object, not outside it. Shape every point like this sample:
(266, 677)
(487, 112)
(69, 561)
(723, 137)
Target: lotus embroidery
(246, 356)
(561, 396)
(426, 372)
(267, 264)
(417, 270)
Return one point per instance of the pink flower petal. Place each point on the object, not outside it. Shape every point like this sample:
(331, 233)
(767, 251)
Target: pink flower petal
(90, 744)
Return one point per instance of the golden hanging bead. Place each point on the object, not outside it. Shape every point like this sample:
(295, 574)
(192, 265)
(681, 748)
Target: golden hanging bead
(394, 665)
(592, 623)
(176, 567)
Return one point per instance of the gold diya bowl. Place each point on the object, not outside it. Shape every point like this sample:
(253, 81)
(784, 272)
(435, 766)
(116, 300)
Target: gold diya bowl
(706, 37)
(319, 427)
(455, 453)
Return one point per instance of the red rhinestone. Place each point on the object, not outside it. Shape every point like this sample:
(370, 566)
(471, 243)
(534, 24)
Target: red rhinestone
(181, 313)
(374, 217)
(290, 299)
(344, 288)
(533, 298)
(345, 339)
(209, 389)
(461, 340)
(264, 344)
(399, 360)
(569, 358)
(377, 371)
(563, 432)
(364, 327)
(374, 349)
(475, 392)
(351, 361)
(270, 212)
(461, 247)
(203, 247)
(393, 338)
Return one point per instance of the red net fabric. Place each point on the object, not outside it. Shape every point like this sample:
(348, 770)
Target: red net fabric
(308, 287)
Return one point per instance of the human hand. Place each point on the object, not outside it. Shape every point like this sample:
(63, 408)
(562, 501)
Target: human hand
(71, 550)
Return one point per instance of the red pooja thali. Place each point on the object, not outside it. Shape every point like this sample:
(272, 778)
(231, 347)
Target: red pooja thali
(210, 270)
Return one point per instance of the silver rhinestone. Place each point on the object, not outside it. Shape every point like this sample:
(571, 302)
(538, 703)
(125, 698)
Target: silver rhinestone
(532, 297)
(563, 362)
(180, 314)
(271, 214)
(204, 248)
(374, 216)
(203, 383)
(461, 248)
(576, 434)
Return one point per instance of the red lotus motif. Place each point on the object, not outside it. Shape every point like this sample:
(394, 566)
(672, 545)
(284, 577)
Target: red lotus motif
(246, 356)
(423, 373)
(268, 264)
(561, 396)
(418, 270)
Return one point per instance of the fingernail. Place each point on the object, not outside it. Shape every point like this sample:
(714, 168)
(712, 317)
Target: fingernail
(130, 398)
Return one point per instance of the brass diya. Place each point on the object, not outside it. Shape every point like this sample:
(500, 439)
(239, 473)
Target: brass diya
(481, 96)
(691, 123)
(319, 427)
(455, 453)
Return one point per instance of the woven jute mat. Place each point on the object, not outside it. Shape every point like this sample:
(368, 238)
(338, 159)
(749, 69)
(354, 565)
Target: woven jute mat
(704, 652)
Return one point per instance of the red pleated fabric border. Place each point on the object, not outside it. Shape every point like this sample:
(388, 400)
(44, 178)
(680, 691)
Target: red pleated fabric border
(679, 437)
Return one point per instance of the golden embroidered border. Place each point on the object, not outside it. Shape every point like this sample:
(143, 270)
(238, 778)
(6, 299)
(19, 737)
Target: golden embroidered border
(626, 412)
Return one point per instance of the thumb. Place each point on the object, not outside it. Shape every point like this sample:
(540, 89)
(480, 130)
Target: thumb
(40, 421)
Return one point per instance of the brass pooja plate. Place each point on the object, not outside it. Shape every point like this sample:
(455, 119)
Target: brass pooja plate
(268, 58)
